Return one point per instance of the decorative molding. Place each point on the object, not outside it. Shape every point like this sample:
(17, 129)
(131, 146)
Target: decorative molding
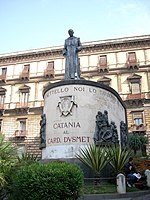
(98, 46)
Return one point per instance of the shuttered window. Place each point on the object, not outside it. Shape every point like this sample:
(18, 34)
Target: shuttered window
(132, 57)
(50, 65)
(103, 60)
(135, 88)
(138, 118)
(26, 68)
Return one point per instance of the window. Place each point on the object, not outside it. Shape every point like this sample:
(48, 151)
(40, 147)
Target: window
(138, 118)
(103, 61)
(103, 65)
(4, 71)
(24, 97)
(0, 125)
(135, 87)
(2, 96)
(23, 125)
(132, 62)
(132, 57)
(50, 65)
(26, 68)
(24, 75)
(22, 129)
(135, 83)
(49, 71)
(2, 99)
(21, 149)
(3, 74)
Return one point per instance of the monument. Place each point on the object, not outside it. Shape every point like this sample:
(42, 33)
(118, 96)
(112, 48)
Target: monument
(79, 112)
(71, 48)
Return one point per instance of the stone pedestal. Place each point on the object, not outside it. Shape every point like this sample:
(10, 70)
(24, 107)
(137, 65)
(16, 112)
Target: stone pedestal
(121, 184)
(71, 108)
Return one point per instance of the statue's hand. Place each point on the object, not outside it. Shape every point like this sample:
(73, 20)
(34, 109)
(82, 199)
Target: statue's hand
(64, 52)
(78, 49)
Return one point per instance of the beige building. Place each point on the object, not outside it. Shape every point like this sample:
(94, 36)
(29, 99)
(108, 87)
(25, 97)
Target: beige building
(123, 64)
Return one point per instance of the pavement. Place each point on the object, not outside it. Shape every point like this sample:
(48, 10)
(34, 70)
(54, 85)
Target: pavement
(140, 195)
(145, 197)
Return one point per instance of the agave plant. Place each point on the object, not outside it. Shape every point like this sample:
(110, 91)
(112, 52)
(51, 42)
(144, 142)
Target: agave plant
(26, 159)
(94, 157)
(118, 158)
(8, 159)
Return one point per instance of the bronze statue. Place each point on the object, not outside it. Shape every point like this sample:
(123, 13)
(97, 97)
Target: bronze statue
(43, 131)
(123, 134)
(71, 48)
(105, 132)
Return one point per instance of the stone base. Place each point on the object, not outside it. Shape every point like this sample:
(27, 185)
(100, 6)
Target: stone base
(71, 108)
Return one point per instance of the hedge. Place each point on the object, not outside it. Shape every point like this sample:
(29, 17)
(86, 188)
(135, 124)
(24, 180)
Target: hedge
(51, 181)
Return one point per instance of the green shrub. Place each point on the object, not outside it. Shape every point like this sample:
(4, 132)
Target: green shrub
(137, 142)
(52, 181)
(8, 159)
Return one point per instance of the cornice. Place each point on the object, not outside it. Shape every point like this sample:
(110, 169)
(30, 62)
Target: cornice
(88, 48)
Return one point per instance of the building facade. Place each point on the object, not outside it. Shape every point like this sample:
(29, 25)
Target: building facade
(123, 64)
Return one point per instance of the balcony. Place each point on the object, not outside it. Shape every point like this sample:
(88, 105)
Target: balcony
(3, 78)
(2, 106)
(141, 129)
(22, 105)
(21, 133)
(132, 64)
(136, 96)
(49, 72)
(102, 67)
(22, 108)
(2, 109)
(24, 75)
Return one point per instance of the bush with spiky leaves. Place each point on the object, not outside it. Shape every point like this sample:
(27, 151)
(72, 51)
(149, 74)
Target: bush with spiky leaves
(94, 157)
(118, 158)
(27, 159)
(8, 159)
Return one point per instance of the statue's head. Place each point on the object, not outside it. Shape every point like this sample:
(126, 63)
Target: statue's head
(105, 112)
(70, 32)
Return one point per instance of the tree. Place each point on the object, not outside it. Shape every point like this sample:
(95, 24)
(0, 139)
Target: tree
(137, 142)
(144, 141)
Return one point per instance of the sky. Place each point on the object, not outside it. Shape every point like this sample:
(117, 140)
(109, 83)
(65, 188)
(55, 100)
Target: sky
(34, 24)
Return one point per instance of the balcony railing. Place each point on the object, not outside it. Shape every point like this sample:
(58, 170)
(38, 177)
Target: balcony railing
(21, 133)
(2, 106)
(132, 64)
(22, 105)
(138, 128)
(102, 67)
(24, 75)
(3, 77)
(49, 73)
(31, 104)
(143, 95)
(136, 96)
